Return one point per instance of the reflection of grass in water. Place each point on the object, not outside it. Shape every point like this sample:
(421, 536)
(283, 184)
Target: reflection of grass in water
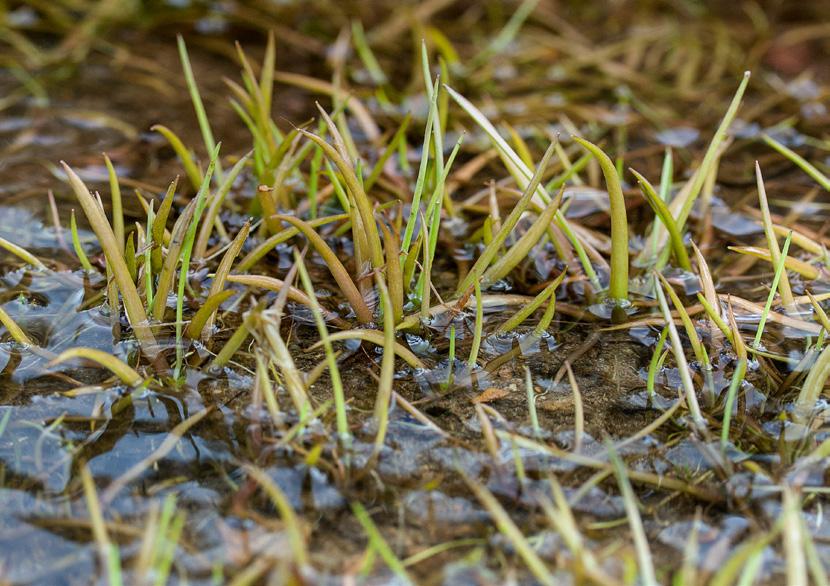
(353, 190)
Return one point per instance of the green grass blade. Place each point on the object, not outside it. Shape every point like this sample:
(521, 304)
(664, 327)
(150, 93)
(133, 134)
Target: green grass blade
(666, 174)
(420, 183)
(560, 180)
(117, 213)
(492, 249)
(379, 545)
(343, 430)
(547, 317)
(521, 315)
(521, 173)
(216, 201)
(187, 250)
(661, 210)
(793, 156)
(656, 362)
(366, 55)
(394, 276)
(76, 243)
(519, 251)
(712, 313)
(207, 311)
(505, 36)
(387, 369)
(779, 270)
(387, 152)
(129, 257)
(632, 513)
(229, 349)
(297, 539)
(376, 337)
(706, 165)
(682, 365)
(160, 223)
(219, 278)
(14, 330)
(184, 155)
(508, 528)
(731, 396)
(772, 243)
(171, 261)
(27, 256)
(201, 115)
(437, 134)
(426, 273)
(618, 288)
(691, 332)
(362, 202)
(479, 325)
(338, 271)
(127, 375)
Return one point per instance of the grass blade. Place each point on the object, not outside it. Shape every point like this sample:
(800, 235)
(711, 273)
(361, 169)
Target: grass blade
(707, 164)
(343, 430)
(338, 271)
(76, 243)
(394, 275)
(682, 365)
(510, 530)
(804, 269)
(772, 243)
(632, 513)
(108, 552)
(127, 375)
(184, 155)
(662, 211)
(364, 207)
(519, 251)
(216, 201)
(297, 538)
(387, 369)
(160, 224)
(524, 313)
(207, 311)
(222, 272)
(479, 325)
(27, 256)
(117, 213)
(618, 288)
(201, 115)
(779, 270)
(379, 545)
(813, 386)
(820, 177)
(376, 338)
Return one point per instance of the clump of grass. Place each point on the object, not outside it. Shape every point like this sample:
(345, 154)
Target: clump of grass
(302, 175)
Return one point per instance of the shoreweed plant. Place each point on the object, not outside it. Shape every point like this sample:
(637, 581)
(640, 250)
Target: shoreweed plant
(448, 294)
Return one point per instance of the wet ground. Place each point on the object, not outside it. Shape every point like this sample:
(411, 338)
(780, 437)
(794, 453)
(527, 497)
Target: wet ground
(171, 461)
